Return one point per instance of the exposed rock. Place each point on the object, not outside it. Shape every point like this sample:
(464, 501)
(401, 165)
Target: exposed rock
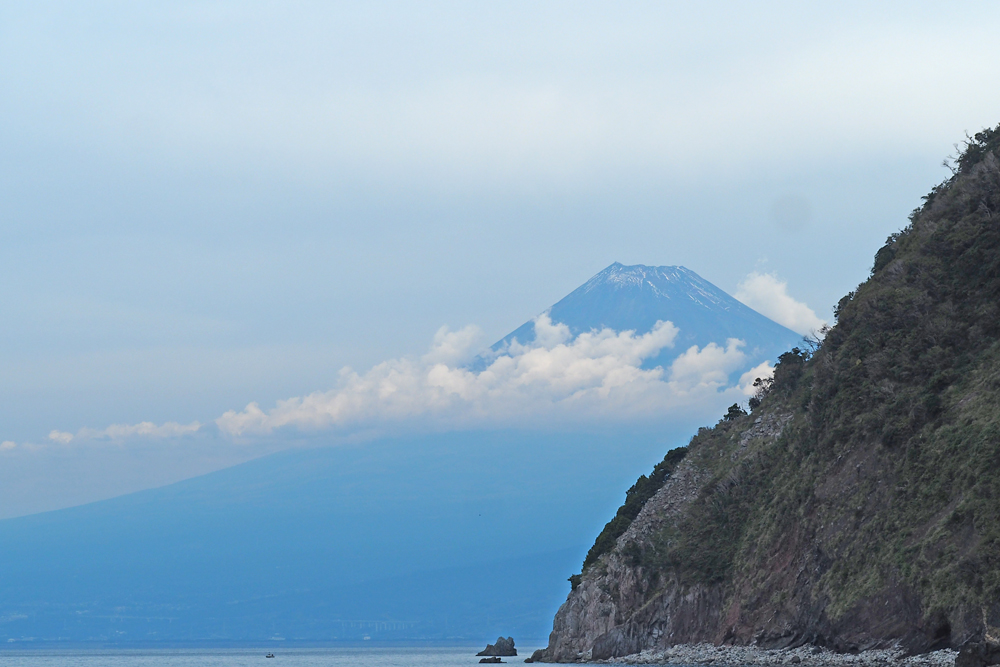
(978, 654)
(504, 647)
(490, 661)
(753, 656)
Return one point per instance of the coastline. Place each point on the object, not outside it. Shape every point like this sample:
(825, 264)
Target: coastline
(805, 656)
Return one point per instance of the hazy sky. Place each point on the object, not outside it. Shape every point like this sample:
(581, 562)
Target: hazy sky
(210, 204)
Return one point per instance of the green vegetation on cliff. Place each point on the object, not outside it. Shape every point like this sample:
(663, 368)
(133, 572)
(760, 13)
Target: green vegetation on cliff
(881, 496)
(635, 498)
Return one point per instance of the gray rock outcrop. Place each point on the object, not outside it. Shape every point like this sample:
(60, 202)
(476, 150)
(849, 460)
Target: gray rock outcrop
(503, 647)
(978, 654)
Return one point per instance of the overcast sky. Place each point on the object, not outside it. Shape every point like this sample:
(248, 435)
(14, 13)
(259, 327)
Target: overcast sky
(212, 204)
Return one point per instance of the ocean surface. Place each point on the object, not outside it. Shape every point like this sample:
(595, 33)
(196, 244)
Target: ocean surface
(365, 656)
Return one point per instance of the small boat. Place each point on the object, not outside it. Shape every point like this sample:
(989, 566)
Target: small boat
(269, 655)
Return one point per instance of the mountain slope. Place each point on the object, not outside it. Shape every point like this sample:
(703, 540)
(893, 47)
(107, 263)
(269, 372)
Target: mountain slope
(460, 535)
(858, 504)
(636, 297)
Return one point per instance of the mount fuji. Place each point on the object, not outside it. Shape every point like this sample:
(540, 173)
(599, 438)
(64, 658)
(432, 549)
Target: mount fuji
(457, 536)
(635, 298)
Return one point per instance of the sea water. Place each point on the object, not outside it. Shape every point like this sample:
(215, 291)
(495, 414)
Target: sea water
(364, 656)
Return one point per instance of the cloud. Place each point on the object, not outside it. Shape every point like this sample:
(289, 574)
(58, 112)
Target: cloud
(142, 429)
(62, 437)
(7, 444)
(766, 294)
(598, 375)
(117, 432)
(453, 347)
(707, 368)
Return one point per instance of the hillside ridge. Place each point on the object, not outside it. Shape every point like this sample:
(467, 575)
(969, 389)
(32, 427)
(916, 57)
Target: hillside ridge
(857, 505)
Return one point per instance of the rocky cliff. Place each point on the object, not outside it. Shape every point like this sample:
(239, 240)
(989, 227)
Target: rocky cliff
(858, 504)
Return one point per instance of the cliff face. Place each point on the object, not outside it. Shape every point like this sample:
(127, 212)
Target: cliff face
(858, 504)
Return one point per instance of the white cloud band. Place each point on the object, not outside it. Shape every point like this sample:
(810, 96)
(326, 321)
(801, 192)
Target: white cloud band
(596, 376)
(117, 432)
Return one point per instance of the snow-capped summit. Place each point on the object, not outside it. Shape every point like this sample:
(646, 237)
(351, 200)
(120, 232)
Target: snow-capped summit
(636, 297)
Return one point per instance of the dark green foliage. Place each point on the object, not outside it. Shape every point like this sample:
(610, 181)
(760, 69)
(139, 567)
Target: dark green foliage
(842, 304)
(903, 372)
(789, 368)
(885, 254)
(635, 498)
(762, 387)
(977, 148)
(888, 464)
(734, 413)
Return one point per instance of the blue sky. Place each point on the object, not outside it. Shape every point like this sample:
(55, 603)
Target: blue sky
(211, 204)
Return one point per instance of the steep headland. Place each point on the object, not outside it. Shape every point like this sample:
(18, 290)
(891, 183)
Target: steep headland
(857, 506)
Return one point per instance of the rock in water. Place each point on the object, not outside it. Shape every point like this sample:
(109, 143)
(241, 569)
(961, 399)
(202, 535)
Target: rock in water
(490, 661)
(504, 647)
